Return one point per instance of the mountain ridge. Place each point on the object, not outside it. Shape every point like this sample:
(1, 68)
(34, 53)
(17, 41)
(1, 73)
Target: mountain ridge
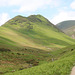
(68, 27)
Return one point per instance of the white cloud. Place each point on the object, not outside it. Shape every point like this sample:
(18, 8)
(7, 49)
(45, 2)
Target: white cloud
(73, 5)
(32, 5)
(25, 5)
(10, 2)
(55, 3)
(3, 18)
(29, 5)
(62, 16)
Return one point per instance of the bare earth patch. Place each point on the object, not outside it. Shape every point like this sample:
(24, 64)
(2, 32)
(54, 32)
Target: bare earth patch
(73, 71)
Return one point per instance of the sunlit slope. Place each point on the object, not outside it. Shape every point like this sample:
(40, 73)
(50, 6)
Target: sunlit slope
(34, 31)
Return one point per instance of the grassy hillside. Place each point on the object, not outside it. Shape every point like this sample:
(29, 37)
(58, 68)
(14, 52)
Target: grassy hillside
(62, 66)
(26, 42)
(35, 31)
(68, 27)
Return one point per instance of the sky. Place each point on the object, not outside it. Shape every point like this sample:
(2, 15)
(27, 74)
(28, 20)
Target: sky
(54, 10)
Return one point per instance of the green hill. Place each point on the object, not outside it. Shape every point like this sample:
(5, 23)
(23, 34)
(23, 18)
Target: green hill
(27, 41)
(67, 27)
(35, 31)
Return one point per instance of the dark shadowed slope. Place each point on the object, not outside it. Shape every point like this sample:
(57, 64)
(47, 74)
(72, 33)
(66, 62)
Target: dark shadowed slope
(67, 27)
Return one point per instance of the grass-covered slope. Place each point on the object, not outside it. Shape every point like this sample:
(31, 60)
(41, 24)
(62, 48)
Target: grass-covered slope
(27, 41)
(34, 31)
(21, 58)
(62, 66)
(68, 27)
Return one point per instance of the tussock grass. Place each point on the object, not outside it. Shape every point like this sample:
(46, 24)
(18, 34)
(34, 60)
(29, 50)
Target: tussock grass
(62, 66)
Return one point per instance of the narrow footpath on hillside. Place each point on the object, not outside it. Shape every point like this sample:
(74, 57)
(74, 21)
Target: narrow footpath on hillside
(73, 71)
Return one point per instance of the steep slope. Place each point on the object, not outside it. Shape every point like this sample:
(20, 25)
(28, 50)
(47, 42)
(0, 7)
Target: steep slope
(67, 27)
(35, 31)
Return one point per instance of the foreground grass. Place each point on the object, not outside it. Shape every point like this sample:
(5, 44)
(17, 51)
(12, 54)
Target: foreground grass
(22, 58)
(62, 66)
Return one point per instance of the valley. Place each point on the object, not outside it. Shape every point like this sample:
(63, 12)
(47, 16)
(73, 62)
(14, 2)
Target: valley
(33, 45)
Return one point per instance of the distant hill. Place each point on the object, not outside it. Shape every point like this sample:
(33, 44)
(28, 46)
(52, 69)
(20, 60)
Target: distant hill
(67, 27)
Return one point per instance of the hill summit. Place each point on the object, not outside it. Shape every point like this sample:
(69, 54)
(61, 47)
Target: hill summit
(31, 18)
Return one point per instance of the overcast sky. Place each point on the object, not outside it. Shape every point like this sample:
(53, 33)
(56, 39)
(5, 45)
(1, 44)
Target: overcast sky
(54, 10)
